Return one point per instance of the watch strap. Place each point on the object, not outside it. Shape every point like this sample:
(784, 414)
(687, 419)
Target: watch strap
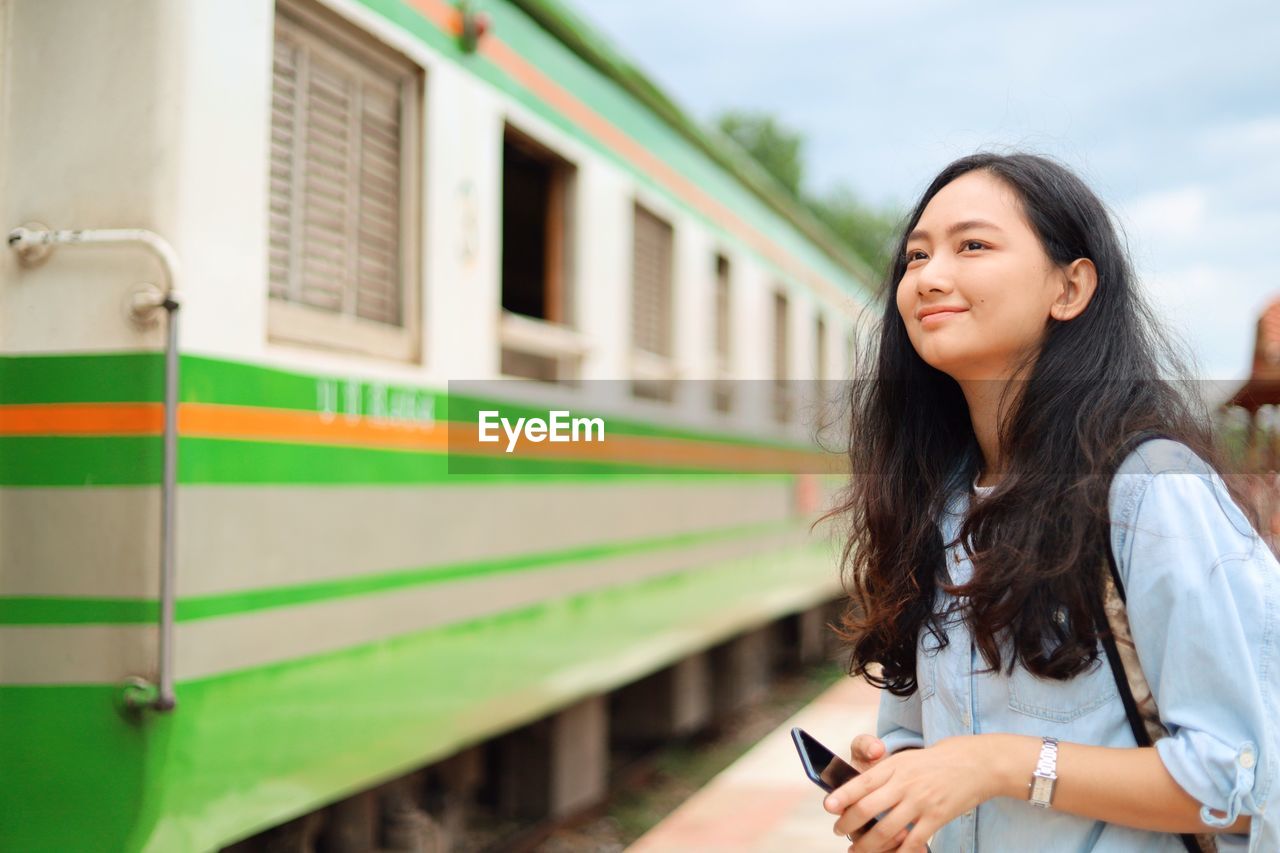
(1045, 778)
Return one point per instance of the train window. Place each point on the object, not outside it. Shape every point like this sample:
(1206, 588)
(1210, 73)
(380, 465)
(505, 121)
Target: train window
(652, 259)
(781, 391)
(536, 253)
(722, 390)
(342, 187)
(534, 230)
(820, 349)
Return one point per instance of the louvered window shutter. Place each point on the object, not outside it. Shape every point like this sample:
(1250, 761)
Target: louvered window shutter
(651, 283)
(335, 180)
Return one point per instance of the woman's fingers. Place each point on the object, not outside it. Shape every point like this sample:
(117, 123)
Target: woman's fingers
(863, 812)
(866, 750)
(917, 840)
(850, 792)
(889, 831)
(893, 845)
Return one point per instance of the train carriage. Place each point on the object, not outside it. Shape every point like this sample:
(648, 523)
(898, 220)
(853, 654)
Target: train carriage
(266, 262)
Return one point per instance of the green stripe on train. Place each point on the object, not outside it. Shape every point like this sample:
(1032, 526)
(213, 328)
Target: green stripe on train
(138, 378)
(80, 461)
(137, 461)
(222, 382)
(134, 377)
(251, 749)
(53, 610)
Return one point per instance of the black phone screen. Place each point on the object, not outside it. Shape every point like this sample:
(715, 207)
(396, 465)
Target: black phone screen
(824, 767)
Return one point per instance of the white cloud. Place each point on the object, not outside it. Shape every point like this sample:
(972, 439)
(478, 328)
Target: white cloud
(1168, 214)
(1214, 309)
(1251, 137)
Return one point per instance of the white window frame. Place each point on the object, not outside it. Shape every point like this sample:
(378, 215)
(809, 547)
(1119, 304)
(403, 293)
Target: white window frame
(296, 323)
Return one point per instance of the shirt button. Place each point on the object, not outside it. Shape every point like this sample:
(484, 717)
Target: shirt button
(969, 815)
(967, 718)
(1246, 759)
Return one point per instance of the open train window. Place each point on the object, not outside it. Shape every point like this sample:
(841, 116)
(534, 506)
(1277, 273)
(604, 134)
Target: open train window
(537, 293)
(652, 270)
(343, 187)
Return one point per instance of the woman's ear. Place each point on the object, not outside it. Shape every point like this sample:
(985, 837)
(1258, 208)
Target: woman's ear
(1080, 281)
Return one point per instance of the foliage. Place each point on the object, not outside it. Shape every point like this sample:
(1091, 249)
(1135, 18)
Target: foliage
(870, 232)
(864, 229)
(775, 147)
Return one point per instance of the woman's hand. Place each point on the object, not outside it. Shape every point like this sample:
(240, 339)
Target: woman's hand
(866, 752)
(924, 787)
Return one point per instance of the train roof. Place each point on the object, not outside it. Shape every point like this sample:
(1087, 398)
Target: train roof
(591, 46)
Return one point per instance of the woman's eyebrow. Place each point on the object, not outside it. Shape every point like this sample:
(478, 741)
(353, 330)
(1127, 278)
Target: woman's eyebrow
(921, 234)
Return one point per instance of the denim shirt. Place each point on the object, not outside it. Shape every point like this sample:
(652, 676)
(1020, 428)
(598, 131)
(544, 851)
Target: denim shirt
(1203, 591)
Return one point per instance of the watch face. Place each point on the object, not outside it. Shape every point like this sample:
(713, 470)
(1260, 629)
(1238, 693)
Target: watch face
(1041, 790)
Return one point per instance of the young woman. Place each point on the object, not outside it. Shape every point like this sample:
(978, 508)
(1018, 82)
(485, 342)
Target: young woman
(998, 450)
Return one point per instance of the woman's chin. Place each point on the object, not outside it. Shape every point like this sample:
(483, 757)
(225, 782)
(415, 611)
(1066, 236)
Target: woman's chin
(960, 371)
(944, 358)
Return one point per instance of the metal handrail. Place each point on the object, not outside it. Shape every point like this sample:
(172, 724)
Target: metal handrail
(34, 244)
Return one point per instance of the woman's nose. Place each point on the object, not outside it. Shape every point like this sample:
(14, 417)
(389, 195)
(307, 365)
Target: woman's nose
(933, 276)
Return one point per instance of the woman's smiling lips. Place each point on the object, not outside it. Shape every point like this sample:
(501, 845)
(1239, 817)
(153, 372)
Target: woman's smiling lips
(937, 316)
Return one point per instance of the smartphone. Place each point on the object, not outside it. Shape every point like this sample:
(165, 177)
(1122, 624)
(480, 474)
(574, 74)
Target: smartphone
(827, 770)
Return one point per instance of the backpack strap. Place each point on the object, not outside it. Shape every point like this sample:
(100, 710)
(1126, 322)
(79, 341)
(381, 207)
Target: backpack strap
(1112, 620)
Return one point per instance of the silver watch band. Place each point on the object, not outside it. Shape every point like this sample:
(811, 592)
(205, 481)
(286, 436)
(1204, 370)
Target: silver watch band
(1044, 780)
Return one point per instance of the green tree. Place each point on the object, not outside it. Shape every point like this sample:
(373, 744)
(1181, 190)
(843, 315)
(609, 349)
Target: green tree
(775, 147)
(868, 231)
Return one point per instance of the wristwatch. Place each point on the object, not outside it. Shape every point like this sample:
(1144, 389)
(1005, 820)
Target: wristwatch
(1045, 779)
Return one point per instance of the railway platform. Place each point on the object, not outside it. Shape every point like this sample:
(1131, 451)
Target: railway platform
(763, 802)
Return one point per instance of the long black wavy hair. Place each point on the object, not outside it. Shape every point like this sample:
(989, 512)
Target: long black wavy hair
(1099, 381)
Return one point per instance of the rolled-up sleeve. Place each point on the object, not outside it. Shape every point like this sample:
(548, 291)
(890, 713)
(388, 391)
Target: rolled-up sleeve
(1202, 599)
(898, 723)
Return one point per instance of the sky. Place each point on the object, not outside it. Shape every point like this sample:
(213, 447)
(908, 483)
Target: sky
(1169, 111)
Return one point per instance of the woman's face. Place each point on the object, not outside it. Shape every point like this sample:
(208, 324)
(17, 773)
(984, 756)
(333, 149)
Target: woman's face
(974, 252)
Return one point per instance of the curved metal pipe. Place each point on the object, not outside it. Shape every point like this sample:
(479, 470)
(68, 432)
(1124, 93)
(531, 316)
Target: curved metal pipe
(34, 244)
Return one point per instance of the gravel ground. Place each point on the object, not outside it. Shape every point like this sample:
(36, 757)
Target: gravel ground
(681, 769)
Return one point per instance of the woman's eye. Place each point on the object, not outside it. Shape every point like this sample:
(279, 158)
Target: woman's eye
(968, 243)
(911, 255)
